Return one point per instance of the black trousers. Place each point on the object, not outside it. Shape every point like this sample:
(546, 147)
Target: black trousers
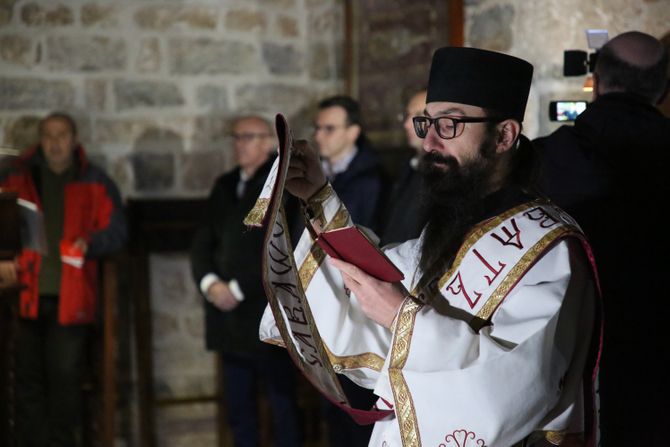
(49, 364)
(271, 367)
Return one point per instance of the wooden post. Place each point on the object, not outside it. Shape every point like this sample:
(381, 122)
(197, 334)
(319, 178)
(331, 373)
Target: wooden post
(110, 347)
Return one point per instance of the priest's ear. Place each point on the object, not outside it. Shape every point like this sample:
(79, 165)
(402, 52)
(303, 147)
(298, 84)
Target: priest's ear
(507, 133)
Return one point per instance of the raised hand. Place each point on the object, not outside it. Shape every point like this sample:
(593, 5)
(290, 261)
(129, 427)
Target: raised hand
(305, 176)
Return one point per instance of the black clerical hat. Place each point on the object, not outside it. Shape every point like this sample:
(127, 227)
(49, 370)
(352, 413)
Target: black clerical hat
(481, 78)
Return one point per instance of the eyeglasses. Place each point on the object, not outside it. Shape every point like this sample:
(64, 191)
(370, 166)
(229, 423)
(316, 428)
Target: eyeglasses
(447, 127)
(328, 128)
(246, 137)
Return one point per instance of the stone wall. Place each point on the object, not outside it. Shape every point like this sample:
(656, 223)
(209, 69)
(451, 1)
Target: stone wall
(182, 367)
(540, 30)
(153, 85)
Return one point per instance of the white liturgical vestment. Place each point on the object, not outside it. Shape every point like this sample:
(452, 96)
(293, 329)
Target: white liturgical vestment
(497, 357)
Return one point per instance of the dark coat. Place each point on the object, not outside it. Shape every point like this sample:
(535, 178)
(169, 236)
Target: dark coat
(360, 188)
(610, 172)
(402, 216)
(224, 246)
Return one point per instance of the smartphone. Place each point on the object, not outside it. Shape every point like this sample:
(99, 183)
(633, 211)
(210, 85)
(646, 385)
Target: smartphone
(566, 110)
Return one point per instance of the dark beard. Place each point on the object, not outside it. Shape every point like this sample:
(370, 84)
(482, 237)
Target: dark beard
(451, 204)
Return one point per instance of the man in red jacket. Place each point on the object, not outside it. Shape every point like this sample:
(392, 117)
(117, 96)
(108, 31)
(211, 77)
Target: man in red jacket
(83, 221)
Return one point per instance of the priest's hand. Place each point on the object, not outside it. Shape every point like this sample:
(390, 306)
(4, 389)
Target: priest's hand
(379, 300)
(305, 176)
(220, 295)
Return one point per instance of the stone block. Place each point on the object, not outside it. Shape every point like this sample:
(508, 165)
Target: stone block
(148, 56)
(213, 97)
(282, 59)
(246, 20)
(278, 4)
(153, 161)
(165, 326)
(195, 325)
(95, 94)
(208, 56)
(492, 29)
(287, 26)
(6, 11)
(189, 425)
(70, 53)
(211, 133)
(38, 14)
(138, 94)
(124, 132)
(199, 169)
(22, 132)
(15, 49)
(272, 98)
(327, 21)
(99, 15)
(28, 93)
(320, 67)
(153, 172)
(165, 17)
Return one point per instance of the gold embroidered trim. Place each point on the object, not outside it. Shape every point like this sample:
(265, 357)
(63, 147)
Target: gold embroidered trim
(321, 195)
(518, 271)
(255, 217)
(403, 332)
(476, 233)
(316, 255)
(555, 437)
(310, 265)
(404, 405)
(404, 410)
(339, 220)
(368, 360)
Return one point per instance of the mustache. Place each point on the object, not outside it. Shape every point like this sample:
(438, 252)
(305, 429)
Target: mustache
(429, 159)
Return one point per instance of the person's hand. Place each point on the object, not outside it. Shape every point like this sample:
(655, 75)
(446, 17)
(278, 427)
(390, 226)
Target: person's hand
(8, 276)
(379, 300)
(219, 294)
(305, 176)
(81, 244)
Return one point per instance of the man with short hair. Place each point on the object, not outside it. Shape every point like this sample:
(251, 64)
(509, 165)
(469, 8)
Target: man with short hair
(227, 271)
(84, 221)
(608, 171)
(351, 166)
(354, 171)
(488, 338)
(402, 219)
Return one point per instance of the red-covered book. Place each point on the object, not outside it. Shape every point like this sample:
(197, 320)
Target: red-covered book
(351, 245)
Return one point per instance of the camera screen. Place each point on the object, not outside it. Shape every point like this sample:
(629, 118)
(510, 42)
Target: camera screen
(568, 110)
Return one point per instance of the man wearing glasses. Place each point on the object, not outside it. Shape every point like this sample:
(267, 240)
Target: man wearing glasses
(351, 166)
(491, 337)
(227, 271)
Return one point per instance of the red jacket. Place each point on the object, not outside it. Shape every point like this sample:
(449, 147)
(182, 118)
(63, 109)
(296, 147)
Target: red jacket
(92, 211)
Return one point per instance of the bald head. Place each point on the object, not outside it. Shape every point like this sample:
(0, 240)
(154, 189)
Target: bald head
(638, 49)
(635, 63)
